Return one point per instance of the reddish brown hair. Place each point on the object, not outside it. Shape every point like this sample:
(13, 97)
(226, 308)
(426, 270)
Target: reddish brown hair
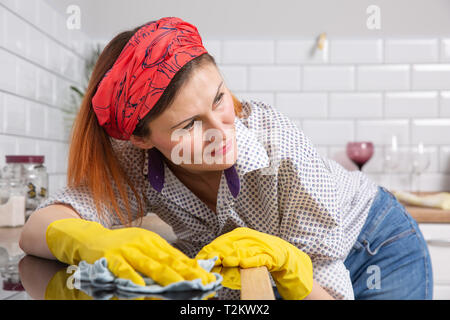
(92, 160)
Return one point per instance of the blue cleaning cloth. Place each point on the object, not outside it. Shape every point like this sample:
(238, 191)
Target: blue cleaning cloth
(98, 282)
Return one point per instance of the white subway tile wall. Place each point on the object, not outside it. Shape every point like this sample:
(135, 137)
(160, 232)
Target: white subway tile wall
(299, 52)
(354, 89)
(39, 59)
(351, 51)
(445, 50)
(328, 78)
(412, 50)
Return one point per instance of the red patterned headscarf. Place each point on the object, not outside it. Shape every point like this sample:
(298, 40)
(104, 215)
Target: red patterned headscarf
(144, 68)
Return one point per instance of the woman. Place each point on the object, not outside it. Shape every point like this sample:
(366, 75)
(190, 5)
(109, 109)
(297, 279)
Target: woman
(125, 161)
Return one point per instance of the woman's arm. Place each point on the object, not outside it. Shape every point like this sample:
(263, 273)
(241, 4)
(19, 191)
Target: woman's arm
(318, 293)
(32, 239)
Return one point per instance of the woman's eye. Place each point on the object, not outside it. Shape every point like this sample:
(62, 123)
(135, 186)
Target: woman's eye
(219, 97)
(192, 122)
(189, 125)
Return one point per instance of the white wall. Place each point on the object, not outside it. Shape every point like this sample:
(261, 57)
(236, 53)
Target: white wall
(39, 59)
(267, 18)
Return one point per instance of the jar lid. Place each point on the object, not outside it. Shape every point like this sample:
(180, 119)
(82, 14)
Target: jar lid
(24, 159)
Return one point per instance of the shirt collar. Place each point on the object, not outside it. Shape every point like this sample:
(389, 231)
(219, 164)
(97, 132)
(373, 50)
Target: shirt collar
(251, 156)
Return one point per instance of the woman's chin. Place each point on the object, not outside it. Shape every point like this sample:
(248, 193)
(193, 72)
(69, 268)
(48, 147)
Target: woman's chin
(213, 164)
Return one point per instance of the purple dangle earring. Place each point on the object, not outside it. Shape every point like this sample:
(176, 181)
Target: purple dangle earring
(233, 182)
(154, 168)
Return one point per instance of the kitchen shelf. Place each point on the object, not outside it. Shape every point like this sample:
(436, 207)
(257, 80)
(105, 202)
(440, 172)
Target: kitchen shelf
(426, 214)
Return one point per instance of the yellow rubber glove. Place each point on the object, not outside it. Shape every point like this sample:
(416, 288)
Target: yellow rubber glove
(290, 267)
(231, 276)
(126, 250)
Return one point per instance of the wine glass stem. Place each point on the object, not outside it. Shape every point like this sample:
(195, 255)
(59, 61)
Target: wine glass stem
(415, 182)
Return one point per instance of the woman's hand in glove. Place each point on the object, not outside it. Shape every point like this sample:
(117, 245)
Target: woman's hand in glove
(126, 250)
(290, 267)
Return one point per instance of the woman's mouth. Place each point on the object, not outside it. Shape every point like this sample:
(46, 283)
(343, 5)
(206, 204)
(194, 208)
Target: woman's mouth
(224, 149)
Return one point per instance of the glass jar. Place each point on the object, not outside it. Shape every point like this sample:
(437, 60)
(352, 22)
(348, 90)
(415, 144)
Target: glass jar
(4, 189)
(12, 170)
(31, 170)
(12, 212)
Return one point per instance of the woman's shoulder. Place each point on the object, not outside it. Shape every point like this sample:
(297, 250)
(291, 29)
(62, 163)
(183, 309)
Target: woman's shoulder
(260, 115)
(127, 152)
(282, 138)
(131, 159)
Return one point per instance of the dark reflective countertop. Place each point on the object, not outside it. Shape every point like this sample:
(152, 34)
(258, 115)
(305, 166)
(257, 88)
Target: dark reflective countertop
(26, 277)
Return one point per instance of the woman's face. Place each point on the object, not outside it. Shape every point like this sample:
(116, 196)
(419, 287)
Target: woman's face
(192, 131)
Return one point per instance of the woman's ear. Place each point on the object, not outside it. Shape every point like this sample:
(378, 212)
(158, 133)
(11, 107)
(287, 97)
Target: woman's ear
(141, 142)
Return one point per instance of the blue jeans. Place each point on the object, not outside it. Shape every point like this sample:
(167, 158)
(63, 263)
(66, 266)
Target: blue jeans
(390, 258)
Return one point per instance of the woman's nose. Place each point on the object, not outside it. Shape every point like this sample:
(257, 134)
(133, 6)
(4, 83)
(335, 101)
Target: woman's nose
(215, 123)
(217, 127)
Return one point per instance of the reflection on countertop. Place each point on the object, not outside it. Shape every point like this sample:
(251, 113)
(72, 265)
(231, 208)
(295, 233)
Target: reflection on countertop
(10, 284)
(56, 282)
(26, 277)
(10, 255)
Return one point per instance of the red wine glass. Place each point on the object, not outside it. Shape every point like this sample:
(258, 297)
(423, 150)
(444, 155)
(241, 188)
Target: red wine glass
(360, 152)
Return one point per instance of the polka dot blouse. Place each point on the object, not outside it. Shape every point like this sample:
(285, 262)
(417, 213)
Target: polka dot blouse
(284, 188)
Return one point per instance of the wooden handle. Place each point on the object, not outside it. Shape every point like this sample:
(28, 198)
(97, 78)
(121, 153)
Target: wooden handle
(255, 284)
